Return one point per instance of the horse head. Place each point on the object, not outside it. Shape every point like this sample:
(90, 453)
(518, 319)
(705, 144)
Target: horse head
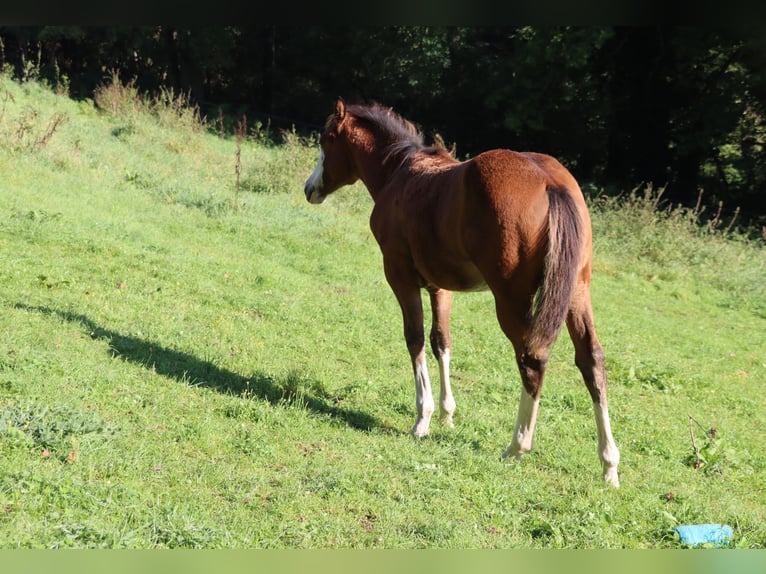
(335, 167)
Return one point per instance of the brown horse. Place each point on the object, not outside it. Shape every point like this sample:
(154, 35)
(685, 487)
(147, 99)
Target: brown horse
(515, 223)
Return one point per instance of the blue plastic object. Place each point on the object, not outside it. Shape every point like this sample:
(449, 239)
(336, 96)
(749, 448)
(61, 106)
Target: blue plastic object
(696, 534)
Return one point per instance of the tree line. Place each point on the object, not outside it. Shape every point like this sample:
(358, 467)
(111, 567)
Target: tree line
(680, 107)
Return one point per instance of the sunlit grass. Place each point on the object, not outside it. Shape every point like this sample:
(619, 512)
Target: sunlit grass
(178, 369)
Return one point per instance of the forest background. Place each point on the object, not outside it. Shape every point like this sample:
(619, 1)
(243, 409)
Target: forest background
(678, 107)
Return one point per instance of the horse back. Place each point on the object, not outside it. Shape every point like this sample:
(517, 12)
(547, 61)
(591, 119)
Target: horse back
(462, 225)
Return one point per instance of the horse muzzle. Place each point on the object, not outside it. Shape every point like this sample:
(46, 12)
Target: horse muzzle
(313, 195)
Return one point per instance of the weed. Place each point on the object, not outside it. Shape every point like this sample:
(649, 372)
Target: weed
(241, 135)
(176, 111)
(118, 98)
(28, 131)
(49, 283)
(709, 455)
(53, 123)
(30, 67)
(123, 100)
(53, 431)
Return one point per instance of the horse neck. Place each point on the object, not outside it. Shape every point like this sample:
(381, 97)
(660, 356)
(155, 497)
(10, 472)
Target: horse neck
(371, 166)
(373, 174)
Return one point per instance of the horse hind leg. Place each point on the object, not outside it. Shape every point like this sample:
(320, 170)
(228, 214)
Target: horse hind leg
(589, 358)
(532, 369)
(515, 323)
(441, 345)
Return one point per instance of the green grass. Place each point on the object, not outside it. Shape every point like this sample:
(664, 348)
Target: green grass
(180, 369)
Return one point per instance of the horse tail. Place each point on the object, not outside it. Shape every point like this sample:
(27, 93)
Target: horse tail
(560, 269)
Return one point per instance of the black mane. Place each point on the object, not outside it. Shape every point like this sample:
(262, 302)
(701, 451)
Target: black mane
(404, 138)
(392, 124)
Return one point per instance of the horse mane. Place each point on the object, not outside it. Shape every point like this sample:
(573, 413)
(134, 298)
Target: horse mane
(405, 139)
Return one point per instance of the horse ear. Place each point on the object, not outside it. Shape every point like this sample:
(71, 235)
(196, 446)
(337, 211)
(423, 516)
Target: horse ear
(340, 110)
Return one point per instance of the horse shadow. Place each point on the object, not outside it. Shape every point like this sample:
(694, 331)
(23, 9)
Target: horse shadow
(191, 370)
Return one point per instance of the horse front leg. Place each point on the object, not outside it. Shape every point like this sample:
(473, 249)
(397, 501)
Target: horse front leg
(408, 295)
(412, 312)
(441, 345)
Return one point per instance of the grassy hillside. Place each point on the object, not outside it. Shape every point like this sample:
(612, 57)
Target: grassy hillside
(199, 359)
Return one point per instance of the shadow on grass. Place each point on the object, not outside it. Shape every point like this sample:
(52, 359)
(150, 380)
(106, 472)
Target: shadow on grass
(190, 370)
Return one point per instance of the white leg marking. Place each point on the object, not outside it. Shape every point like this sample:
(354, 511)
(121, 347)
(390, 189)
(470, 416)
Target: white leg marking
(314, 182)
(446, 400)
(525, 426)
(424, 400)
(607, 449)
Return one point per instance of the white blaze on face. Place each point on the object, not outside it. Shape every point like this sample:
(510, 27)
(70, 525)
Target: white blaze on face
(314, 182)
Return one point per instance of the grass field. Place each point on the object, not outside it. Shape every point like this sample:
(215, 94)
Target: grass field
(192, 359)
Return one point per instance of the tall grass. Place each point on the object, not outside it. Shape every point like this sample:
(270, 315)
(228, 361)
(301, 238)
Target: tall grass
(674, 242)
(171, 109)
(176, 372)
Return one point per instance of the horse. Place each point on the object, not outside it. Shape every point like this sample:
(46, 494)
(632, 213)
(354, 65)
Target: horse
(515, 223)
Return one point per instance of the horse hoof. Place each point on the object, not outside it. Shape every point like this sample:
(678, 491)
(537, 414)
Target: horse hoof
(515, 451)
(419, 432)
(611, 478)
(511, 453)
